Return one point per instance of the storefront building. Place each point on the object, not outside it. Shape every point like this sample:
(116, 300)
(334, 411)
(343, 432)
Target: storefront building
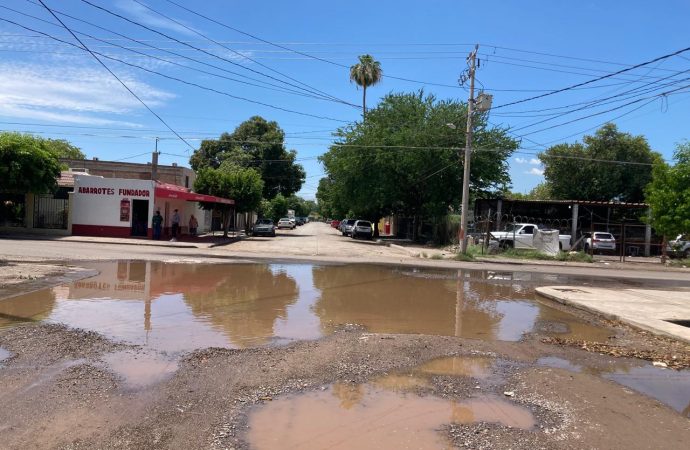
(119, 207)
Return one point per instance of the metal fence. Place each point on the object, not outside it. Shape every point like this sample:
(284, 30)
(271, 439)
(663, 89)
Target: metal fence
(50, 212)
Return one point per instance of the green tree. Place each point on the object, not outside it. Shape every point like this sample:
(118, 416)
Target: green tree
(405, 159)
(367, 72)
(259, 144)
(244, 185)
(278, 207)
(27, 164)
(580, 171)
(541, 191)
(668, 195)
(63, 149)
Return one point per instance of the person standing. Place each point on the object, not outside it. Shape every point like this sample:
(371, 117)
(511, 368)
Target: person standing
(175, 225)
(157, 222)
(193, 225)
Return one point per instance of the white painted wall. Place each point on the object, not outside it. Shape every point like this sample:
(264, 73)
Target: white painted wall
(104, 208)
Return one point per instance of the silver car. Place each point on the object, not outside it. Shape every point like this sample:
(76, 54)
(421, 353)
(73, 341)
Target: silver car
(362, 228)
(346, 226)
(264, 227)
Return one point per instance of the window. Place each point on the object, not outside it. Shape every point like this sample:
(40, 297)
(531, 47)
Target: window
(528, 230)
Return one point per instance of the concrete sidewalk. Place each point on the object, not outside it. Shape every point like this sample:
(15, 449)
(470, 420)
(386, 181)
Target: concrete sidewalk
(649, 310)
(203, 241)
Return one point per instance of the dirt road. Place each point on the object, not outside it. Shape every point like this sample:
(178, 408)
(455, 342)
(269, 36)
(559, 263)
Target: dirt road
(365, 377)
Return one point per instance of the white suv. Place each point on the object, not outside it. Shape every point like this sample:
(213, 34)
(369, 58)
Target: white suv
(600, 242)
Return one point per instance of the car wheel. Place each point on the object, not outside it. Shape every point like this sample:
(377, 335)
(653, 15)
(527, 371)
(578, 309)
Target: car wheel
(273, 234)
(586, 248)
(686, 253)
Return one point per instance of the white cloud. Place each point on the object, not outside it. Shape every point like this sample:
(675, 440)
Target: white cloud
(520, 160)
(534, 162)
(145, 16)
(71, 94)
(535, 171)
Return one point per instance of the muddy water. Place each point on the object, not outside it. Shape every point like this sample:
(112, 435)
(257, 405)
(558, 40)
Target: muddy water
(4, 354)
(671, 387)
(348, 416)
(179, 307)
(140, 369)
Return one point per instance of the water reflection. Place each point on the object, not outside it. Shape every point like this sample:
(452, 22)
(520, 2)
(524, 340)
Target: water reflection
(671, 387)
(179, 307)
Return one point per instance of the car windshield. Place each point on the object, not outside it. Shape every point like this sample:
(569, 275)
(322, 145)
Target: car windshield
(362, 223)
(284, 219)
(603, 236)
(264, 222)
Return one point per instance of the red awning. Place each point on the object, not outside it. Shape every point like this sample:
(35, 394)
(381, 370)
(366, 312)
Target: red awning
(165, 190)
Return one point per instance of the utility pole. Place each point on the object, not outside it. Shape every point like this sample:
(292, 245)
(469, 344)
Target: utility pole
(462, 235)
(154, 163)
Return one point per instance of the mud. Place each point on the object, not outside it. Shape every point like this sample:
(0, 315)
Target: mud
(366, 345)
(211, 400)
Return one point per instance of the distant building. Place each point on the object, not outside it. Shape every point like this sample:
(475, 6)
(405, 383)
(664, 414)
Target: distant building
(173, 174)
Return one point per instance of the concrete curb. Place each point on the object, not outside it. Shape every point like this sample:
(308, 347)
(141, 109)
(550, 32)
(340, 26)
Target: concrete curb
(652, 325)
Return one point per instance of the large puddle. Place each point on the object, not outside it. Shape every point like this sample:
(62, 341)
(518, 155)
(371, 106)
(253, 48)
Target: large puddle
(182, 307)
(349, 416)
(169, 309)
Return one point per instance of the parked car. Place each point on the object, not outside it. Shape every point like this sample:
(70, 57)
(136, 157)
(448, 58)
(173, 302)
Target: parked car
(299, 221)
(286, 223)
(601, 241)
(362, 228)
(264, 227)
(679, 247)
(335, 224)
(346, 226)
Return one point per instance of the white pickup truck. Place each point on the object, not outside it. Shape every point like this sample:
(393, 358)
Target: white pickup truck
(521, 235)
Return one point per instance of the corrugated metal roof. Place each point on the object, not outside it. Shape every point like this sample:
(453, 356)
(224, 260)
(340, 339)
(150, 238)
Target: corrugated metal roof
(580, 202)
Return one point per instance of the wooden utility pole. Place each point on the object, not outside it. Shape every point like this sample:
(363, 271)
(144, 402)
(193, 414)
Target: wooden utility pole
(462, 235)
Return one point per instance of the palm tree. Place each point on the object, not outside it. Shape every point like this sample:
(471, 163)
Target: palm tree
(367, 72)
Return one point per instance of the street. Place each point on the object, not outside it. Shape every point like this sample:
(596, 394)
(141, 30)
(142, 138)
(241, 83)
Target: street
(247, 345)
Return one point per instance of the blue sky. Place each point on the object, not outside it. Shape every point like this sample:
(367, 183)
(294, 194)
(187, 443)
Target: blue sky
(60, 91)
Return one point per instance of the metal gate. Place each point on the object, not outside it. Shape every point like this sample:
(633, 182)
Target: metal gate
(50, 212)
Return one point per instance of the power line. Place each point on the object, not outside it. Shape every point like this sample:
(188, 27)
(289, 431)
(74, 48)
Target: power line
(594, 80)
(115, 76)
(277, 87)
(604, 101)
(229, 61)
(310, 88)
(179, 79)
(654, 97)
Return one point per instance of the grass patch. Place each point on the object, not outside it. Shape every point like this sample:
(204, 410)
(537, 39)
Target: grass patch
(535, 255)
(464, 257)
(678, 262)
(436, 256)
(423, 255)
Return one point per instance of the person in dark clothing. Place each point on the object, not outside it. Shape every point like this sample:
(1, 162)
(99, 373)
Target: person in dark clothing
(157, 222)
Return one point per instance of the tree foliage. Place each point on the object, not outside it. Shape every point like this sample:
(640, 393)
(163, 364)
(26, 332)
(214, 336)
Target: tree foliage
(259, 144)
(63, 149)
(669, 194)
(244, 185)
(406, 159)
(367, 72)
(27, 164)
(579, 171)
(542, 191)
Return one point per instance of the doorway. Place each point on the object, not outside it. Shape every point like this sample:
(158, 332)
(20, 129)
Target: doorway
(140, 217)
